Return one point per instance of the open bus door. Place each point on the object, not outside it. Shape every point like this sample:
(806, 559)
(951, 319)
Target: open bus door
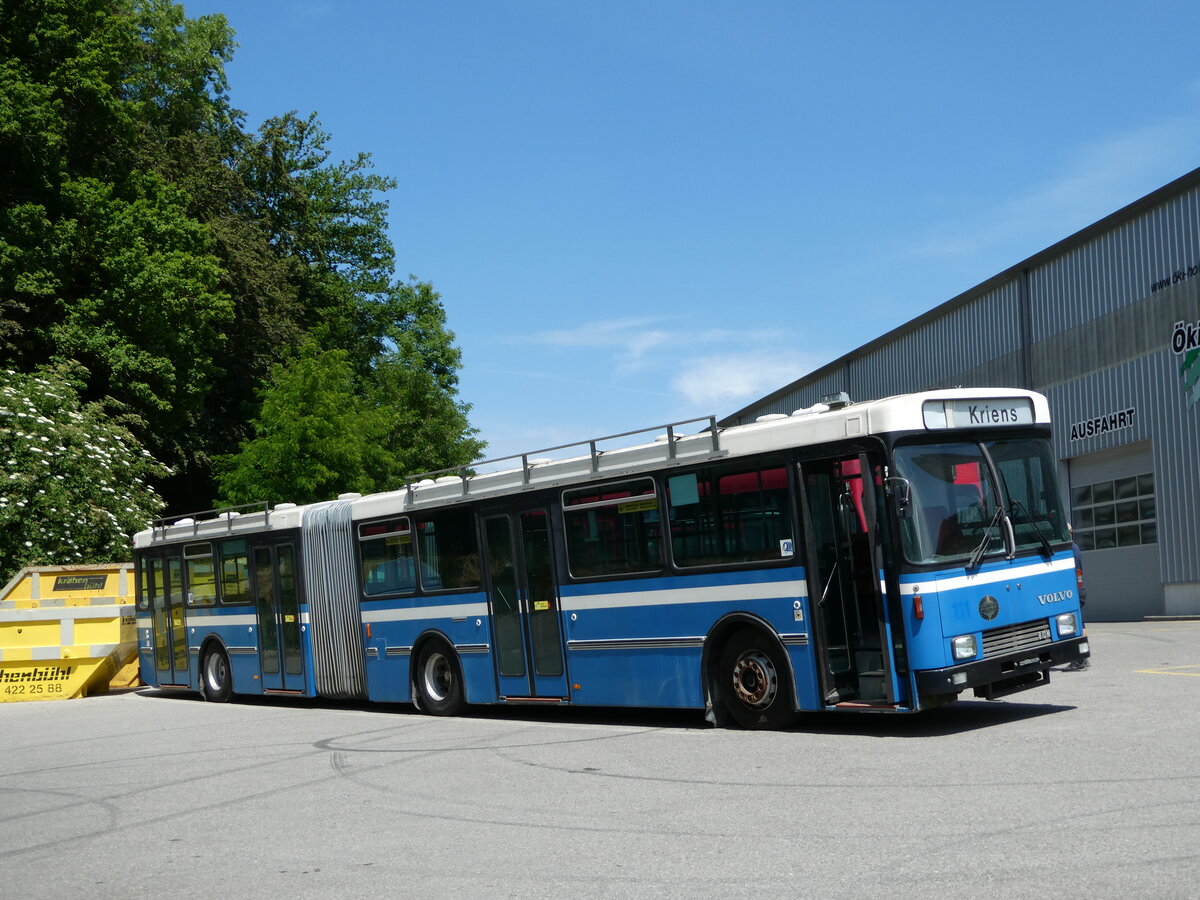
(523, 594)
(858, 660)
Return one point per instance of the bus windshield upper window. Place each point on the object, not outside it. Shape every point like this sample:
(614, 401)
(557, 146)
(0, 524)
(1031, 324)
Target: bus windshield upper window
(953, 498)
(1027, 469)
(952, 502)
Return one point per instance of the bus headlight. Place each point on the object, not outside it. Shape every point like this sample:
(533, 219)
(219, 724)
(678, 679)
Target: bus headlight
(1067, 625)
(964, 646)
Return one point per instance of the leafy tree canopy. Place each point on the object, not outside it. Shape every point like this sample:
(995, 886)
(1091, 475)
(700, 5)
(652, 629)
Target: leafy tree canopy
(74, 483)
(175, 261)
(322, 431)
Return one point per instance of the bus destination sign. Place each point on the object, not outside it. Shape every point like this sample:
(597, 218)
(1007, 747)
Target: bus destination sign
(993, 412)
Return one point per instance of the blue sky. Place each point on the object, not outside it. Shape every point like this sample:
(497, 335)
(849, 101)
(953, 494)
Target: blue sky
(640, 212)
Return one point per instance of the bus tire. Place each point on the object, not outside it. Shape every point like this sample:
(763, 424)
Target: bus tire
(754, 681)
(439, 680)
(215, 676)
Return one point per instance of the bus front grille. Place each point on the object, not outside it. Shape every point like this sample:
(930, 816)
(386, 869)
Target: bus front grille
(1014, 638)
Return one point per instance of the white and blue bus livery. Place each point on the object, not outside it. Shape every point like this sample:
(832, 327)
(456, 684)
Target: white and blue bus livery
(886, 555)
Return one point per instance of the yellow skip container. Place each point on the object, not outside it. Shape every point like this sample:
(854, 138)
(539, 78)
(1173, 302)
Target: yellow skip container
(67, 631)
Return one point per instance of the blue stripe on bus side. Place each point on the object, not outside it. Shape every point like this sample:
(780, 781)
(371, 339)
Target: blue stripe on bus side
(397, 623)
(640, 642)
(236, 627)
(628, 642)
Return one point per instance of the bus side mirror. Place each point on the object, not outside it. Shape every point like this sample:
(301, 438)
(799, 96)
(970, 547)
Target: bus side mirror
(899, 490)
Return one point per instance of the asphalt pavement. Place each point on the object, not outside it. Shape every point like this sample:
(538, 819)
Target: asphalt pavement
(1088, 787)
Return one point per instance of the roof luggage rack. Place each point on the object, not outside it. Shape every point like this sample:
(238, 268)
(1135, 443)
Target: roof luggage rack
(158, 527)
(465, 473)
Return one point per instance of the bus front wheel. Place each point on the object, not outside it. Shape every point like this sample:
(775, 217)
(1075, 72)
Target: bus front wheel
(214, 673)
(439, 680)
(754, 681)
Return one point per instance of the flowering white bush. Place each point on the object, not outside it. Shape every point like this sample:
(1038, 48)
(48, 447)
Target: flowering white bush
(73, 483)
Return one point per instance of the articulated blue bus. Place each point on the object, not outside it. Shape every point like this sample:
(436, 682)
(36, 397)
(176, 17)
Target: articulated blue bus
(887, 555)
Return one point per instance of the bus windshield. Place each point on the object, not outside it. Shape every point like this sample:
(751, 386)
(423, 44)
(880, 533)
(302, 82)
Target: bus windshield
(952, 510)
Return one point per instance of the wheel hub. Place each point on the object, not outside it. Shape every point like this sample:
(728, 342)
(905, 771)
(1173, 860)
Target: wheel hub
(438, 677)
(215, 671)
(755, 681)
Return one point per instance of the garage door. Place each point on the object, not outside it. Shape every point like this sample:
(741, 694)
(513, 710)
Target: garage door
(1114, 514)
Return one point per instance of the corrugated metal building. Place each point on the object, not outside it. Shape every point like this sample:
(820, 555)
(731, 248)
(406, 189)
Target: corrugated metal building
(1107, 324)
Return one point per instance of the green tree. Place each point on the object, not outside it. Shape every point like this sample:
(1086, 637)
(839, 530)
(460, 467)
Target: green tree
(329, 221)
(323, 432)
(420, 426)
(180, 258)
(311, 440)
(74, 484)
(101, 258)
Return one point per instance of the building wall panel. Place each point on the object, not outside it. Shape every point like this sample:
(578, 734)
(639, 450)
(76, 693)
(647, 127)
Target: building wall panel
(945, 349)
(1152, 387)
(1117, 268)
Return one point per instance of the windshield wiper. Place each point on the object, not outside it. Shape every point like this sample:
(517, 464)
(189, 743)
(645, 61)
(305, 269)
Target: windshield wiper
(1046, 548)
(978, 555)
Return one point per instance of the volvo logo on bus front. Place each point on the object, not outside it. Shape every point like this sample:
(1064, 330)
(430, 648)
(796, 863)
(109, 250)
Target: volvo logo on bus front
(1056, 597)
(989, 607)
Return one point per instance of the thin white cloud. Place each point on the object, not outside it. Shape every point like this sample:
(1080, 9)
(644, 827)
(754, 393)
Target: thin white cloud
(643, 344)
(706, 369)
(559, 377)
(1103, 176)
(605, 333)
(720, 380)
(632, 340)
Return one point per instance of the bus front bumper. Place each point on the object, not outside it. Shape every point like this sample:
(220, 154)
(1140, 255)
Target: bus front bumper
(999, 676)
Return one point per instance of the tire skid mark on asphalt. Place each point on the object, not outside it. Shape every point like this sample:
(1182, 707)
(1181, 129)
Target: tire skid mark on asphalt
(853, 784)
(359, 775)
(112, 810)
(115, 799)
(331, 743)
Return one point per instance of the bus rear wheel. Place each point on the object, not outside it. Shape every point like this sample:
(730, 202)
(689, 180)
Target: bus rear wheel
(215, 676)
(439, 680)
(754, 681)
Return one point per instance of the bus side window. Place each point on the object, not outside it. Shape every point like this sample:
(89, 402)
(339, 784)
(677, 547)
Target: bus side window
(235, 572)
(143, 582)
(613, 529)
(448, 556)
(386, 552)
(730, 513)
(201, 579)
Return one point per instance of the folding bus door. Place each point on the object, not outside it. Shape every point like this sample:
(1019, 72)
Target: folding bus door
(523, 595)
(277, 601)
(169, 620)
(844, 564)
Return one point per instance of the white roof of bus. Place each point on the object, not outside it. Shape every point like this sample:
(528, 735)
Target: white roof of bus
(817, 425)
